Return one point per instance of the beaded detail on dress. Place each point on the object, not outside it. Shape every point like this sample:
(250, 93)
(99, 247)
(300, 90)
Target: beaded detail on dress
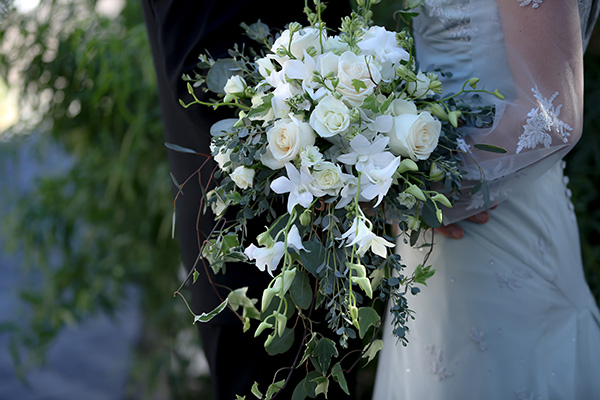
(453, 15)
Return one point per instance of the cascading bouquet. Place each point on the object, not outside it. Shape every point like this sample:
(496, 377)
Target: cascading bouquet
(336, 136)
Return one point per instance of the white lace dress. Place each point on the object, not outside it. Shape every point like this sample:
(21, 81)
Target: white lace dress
(508, 314)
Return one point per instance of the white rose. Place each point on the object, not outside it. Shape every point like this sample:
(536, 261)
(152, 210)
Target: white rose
(221, 156)
(330, 117)
(285, 139)
(242, 177)
(327, 64)
(401, 106)
(328, 178)
(414, 136)
(334, 44)
(351, 68)
(235, 85)
(382, 44)
(419, 88)
(301, 41)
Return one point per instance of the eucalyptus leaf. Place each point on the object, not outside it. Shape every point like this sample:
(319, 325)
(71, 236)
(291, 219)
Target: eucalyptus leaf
(219, 73)
(180, 149)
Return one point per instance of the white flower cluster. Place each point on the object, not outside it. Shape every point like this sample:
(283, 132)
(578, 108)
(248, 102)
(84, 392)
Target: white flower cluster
(322, 126)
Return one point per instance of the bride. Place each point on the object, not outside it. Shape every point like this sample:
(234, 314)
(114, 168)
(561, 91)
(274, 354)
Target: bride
(508, 314)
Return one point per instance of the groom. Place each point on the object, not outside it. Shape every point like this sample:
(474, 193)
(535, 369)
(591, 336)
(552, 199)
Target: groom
(180, 30)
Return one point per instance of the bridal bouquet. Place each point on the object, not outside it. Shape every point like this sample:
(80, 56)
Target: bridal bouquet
(336, 136)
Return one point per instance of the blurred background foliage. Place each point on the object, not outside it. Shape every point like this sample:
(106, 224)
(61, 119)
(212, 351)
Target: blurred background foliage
(87, 85)
(86, 82)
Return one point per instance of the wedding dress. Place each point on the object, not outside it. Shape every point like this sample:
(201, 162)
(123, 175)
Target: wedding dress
(508, 314)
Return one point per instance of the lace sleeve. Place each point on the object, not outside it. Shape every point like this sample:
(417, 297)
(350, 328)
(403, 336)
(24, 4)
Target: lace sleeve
(532, 52)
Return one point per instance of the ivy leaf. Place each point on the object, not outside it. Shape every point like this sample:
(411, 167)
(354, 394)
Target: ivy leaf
(324, 351)
(195, 275)
(322, 385)
(300, 290)
(367, 317)
(204, 317)
(255, 391)
(309, 349)
(358, 84)
(338, 376)
(371, 351)
(274, 388)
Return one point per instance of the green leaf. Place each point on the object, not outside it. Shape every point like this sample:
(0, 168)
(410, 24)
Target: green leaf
(301, 291)
(323, 353)
(490, 147)
(281, 344)
(218, 74)
(371, 351)
(338, 376)
(367, 317)
(207, 317)
(422, 274)
(195, 276)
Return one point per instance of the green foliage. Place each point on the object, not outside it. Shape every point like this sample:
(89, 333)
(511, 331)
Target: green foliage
(583, 169)
(105, 224)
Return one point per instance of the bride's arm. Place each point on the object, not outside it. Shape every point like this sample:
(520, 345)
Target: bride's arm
(541, 72)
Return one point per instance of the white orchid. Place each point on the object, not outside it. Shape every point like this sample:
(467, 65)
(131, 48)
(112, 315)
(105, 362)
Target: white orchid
(376, 181)
(267, 258)
(364, 153)
(360, 234)
(298, 185)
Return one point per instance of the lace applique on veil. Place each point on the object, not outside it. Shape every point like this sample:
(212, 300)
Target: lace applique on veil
(541, 121)
(534, 3)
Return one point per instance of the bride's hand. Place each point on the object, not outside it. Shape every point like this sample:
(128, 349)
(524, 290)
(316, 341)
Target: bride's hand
(454, 231)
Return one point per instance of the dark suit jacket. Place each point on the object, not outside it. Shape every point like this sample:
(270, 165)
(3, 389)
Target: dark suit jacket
(178, 31)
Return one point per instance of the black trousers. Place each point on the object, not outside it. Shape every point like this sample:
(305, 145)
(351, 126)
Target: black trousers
(178, 31)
